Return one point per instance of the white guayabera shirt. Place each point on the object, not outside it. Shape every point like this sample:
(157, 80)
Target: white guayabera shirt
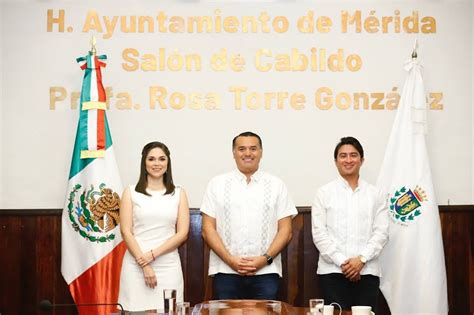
(246, 215)
(347, 223)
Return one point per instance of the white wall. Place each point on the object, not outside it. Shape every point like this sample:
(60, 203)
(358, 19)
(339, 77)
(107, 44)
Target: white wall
(1, 106)
(298, 144)
(472, 97)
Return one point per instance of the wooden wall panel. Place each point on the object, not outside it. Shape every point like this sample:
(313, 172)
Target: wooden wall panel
(192, 258)
(458, 229)
(291, 265)
(10, 261)
(471, 264)
(310, 288)
(30, 261)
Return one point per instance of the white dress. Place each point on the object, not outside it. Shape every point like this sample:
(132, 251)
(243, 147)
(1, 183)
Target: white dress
(154, 221)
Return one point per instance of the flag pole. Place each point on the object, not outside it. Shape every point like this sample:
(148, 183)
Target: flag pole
(93, 51)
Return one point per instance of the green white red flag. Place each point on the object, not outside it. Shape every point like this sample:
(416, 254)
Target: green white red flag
(92, 247)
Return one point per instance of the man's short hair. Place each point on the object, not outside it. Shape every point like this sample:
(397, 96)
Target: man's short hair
(247, 134)
(353, 142)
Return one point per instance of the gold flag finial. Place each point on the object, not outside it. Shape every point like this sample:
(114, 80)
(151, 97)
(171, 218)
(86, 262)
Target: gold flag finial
(93, 42)
(414, 54)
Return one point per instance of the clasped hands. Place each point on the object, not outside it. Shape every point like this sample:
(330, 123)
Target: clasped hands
(145, 258)
(247, 266)
(351, 268)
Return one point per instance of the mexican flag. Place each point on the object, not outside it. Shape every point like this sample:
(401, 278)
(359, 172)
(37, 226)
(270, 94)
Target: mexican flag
(92, 247)
(413, 269)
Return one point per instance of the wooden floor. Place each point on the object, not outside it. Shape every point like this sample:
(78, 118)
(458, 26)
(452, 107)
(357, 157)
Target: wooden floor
(30, 260)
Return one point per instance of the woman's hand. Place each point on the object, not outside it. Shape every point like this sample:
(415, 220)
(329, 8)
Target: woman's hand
(145, 259)
(150, 277)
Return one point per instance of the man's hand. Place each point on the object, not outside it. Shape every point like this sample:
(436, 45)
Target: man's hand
(234, 263)
(241, 265)
(351, 268)
(248, 266)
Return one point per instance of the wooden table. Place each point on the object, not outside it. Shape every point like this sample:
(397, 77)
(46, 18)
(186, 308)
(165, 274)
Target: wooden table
(241, 307)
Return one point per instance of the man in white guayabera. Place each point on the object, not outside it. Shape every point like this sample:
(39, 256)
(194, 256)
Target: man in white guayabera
(247, 216)
(350, 227)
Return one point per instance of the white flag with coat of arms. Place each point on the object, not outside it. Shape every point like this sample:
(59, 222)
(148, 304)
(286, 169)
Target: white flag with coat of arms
(413, 268)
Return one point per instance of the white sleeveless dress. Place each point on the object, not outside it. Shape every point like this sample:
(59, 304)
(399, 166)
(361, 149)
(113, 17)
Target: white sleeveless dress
(154, 222)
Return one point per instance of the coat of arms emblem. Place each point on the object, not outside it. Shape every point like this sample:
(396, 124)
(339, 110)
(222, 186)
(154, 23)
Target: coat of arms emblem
(94, 213)
(406, 204)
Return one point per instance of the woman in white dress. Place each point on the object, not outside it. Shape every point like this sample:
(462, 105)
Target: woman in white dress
(154, 221)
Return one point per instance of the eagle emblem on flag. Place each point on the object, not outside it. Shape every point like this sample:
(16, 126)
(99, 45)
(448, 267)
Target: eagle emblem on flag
(93, 213)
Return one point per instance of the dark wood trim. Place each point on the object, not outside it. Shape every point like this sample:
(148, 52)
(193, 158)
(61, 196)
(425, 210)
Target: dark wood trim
(464, 208)
(30, 212)
(301, 209)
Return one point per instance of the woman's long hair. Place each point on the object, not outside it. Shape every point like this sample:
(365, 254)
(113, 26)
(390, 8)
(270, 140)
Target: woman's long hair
(167, 176)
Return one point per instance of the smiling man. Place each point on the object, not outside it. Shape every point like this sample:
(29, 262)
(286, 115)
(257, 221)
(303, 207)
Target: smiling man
(350, 228)
(246, 221)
